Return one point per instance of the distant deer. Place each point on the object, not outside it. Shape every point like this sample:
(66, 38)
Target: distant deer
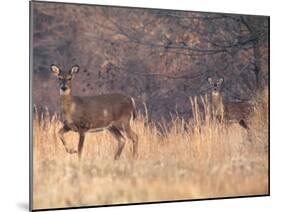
(81, 114)
(229, 111)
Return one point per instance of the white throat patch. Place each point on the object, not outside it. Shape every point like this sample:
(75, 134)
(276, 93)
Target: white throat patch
(105, 113)
(66, 92)
(215, 93)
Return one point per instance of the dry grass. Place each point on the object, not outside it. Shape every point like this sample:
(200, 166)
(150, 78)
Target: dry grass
(198, 159)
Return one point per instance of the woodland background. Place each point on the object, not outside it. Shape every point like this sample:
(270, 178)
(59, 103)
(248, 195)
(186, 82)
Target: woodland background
(160, 57)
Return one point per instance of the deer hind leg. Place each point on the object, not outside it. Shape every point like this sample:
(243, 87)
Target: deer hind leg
(61, 133)
(133, 137)
(81, 144)
(120, 139)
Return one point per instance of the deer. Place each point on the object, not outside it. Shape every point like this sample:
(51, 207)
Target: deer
(82, 114)
(238, 112)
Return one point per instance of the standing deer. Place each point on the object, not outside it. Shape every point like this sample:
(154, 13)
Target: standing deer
(81, 114)
(229, 111)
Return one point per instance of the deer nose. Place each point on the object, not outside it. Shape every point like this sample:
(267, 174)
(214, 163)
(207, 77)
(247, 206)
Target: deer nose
(63, 88)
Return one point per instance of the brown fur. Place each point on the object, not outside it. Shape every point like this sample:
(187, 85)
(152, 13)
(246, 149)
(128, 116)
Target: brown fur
(238, 112)
(94, 113)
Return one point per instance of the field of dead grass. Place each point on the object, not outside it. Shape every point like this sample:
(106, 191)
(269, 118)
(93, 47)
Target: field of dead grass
(198, 158)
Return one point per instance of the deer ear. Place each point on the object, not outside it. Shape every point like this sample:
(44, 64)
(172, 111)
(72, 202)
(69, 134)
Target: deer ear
(74, 69)
(210, 80)
(55, 70)
(221, 80)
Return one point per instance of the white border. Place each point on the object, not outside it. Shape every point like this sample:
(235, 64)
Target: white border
(14, 127)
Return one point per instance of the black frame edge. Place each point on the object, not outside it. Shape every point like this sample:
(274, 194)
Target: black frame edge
(30, 107)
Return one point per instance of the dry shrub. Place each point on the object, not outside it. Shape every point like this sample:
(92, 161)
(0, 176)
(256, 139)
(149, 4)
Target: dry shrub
(202, 158)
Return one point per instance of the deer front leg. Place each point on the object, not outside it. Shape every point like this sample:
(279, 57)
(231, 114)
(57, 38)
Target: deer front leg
(61, 133)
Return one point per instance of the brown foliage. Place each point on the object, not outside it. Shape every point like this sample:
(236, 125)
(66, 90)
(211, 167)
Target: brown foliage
(188, 160)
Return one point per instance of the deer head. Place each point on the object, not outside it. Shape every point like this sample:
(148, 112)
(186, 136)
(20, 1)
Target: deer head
(64, 77)
(216, 84)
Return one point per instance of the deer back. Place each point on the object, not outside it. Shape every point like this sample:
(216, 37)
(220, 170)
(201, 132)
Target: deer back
(101, 111)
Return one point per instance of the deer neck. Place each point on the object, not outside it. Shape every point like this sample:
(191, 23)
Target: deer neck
(216, 97)
(67, 106)
(217, 102)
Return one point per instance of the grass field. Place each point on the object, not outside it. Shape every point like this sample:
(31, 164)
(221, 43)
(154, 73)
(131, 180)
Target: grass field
(200, 158)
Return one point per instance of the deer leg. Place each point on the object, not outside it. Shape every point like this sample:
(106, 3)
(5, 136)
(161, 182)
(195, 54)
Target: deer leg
(81, 144)
(120, 139)
(134, 138)
(61, 133)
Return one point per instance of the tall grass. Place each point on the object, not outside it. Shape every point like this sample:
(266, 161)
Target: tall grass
(199, 158)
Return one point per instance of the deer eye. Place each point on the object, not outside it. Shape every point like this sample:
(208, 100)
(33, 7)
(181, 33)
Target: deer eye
(60, 78)
(68, 78)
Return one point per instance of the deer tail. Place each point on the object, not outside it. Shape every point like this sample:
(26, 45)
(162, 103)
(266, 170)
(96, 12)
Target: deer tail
(134, 113)
(243, 124)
